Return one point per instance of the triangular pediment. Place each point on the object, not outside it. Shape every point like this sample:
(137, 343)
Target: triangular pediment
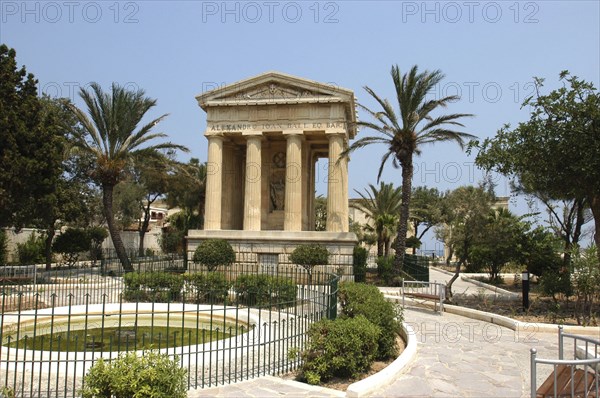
(274, 87)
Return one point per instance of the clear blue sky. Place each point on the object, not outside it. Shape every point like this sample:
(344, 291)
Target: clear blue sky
(175, 50)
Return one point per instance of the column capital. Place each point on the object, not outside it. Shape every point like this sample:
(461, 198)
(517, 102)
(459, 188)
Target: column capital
(253, 134)
(292, 132)
(213, 134)
(336, 131)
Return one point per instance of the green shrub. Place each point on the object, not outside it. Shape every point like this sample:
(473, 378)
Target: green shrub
(554, 283)
(342, 348)
(97, 236)
(308, 256)
(265, 290)
(171, 241)
(359, 263)
(360, 299)
(155, 286)
(209, 288)
(71, 243)
(32, 251)
(586, 285)
(152, 376)
(385, 269)
(214, 252)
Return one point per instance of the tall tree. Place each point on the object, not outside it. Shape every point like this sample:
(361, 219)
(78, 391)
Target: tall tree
(566, 218)
(381, 205)
(153, 176)
(557, 151)
(464, 212)
(112, 136)
(72, 200)
(499, 240)
(31, 143)
(186, 188)
(425, 211)
(407, 130)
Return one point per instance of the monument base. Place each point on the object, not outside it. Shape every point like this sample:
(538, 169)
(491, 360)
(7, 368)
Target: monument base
(268, 249)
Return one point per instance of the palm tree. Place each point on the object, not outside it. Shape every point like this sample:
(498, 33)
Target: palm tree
(381, 206)
(406, 131)
(112, 137)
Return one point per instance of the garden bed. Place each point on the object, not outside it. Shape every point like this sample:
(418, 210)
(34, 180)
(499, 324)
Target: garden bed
(342, 384)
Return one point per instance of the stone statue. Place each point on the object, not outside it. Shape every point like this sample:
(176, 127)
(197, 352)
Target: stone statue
(277, 193)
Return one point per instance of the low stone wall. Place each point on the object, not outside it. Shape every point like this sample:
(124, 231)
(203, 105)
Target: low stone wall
(267, 251)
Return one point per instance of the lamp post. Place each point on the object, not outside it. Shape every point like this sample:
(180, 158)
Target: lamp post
(525, 284)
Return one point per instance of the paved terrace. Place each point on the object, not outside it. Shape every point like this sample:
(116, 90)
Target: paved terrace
(456, 357)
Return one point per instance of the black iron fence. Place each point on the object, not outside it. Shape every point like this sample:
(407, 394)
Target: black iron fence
(223, 326)
(417, 267)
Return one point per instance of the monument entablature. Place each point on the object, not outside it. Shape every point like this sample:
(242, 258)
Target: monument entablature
(265, 135)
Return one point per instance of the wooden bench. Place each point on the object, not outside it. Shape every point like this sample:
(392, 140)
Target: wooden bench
(15, 280)
(425, 296)
(569, 382)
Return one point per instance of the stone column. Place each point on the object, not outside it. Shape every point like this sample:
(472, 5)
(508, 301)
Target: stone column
(312, 163)
(337, 185)
(293, 182)
(228, 188)
(252, 195)
(214, 183)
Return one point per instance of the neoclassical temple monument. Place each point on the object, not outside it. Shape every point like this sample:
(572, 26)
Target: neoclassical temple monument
(265, 135)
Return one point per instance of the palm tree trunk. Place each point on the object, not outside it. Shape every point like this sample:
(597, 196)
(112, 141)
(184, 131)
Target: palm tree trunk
(107, 202)
(407, 172)
(379, 247)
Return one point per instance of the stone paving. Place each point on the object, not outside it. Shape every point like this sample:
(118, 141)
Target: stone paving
(462, 357)
(456, 357)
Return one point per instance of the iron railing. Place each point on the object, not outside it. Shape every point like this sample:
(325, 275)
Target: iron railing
(586, 362)
(221, 331)
(431, 291)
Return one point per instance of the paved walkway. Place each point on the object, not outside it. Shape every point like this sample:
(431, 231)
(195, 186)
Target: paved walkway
(456, 357)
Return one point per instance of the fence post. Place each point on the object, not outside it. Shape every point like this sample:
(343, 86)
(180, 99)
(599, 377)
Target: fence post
(533, 373)
(333, 289)
(560, 342)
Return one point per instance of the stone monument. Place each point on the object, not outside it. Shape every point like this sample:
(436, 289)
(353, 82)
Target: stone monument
(265, 135)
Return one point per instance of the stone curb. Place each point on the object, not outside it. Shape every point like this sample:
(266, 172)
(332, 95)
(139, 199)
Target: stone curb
(479, 283)
(304, 386)
(519, 326)
(493, 288)
(386, 376)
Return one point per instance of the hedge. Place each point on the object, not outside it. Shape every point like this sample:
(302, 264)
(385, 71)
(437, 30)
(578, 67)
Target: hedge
(265, 290)
(340, 348)
(208, 288)
(359, 299)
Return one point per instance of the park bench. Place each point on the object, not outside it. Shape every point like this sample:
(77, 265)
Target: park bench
(425, 291)
(17, 274)
(15, 280)
(577, 377)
